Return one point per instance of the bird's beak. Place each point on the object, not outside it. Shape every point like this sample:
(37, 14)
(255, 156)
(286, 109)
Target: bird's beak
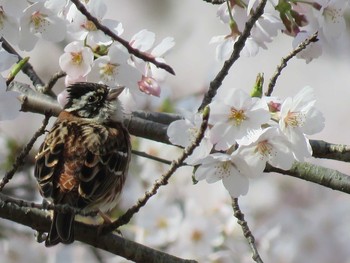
(114, 93)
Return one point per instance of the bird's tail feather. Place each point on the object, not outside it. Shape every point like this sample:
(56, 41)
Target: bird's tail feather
(62, 230)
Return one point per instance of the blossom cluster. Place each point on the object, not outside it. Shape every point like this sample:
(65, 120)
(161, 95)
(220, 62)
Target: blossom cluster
(92, 55)
(246, 133)
(299, 19)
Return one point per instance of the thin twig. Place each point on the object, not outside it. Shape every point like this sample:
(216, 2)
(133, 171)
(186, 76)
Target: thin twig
(151, 157)
(215, 2)
(238, 46)
(21, 157)
(285, 60)
(47, 89)
(27, 68)
(246, 231)
(131, 50)
(126, 217)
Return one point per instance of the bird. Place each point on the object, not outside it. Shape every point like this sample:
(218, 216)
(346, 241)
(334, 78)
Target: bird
(83, 161)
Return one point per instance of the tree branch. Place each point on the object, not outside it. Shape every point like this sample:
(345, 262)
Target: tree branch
(47, 89)
(320, 175)
(326, 150)
(246, 231)
(284, 61)
(40, 221)
(108, 32)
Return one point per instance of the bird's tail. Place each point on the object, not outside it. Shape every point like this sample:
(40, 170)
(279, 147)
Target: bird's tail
(62, 229)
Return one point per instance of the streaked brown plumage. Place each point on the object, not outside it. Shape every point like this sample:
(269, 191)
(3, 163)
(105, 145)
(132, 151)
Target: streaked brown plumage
(84, 159)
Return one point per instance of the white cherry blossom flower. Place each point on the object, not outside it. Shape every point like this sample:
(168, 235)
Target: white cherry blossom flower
(77, 60)
(81, 28)
(183, 133)
(232, 113)
(157, 228)
(267, 27)
(298, 117)
(331, 18)
(266, 145)
(152, 77)
(39, 21)
(198, 234)
(231, 169)
(113, 69)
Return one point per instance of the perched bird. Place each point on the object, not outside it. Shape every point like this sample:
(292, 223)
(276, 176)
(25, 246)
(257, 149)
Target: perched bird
(83, 161)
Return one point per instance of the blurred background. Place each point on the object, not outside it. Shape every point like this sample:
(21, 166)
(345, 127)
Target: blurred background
(292, 220)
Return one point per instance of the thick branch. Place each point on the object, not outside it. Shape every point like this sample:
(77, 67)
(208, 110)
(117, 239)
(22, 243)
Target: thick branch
(320, 175)
(33, 101)
(40, 221)
(326, 150)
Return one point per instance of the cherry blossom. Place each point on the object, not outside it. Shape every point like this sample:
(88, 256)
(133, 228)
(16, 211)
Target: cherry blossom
(184, 132)
(197, 234)
(39, 21)
(263, 31)
(77, 60)
(298, 117)
(233, 113)
(152, 77)
(158, 229)
(331, 18)
(113, 69)
(231, 169)
(81, 28)
(266, 145)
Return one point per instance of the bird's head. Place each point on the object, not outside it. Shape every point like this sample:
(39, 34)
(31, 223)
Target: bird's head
(93, 101)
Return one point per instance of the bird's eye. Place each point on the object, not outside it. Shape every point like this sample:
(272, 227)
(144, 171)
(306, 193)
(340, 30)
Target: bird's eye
(92, 99)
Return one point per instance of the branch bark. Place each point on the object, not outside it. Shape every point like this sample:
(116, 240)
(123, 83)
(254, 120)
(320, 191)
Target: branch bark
(40, 221)
(317, 174)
